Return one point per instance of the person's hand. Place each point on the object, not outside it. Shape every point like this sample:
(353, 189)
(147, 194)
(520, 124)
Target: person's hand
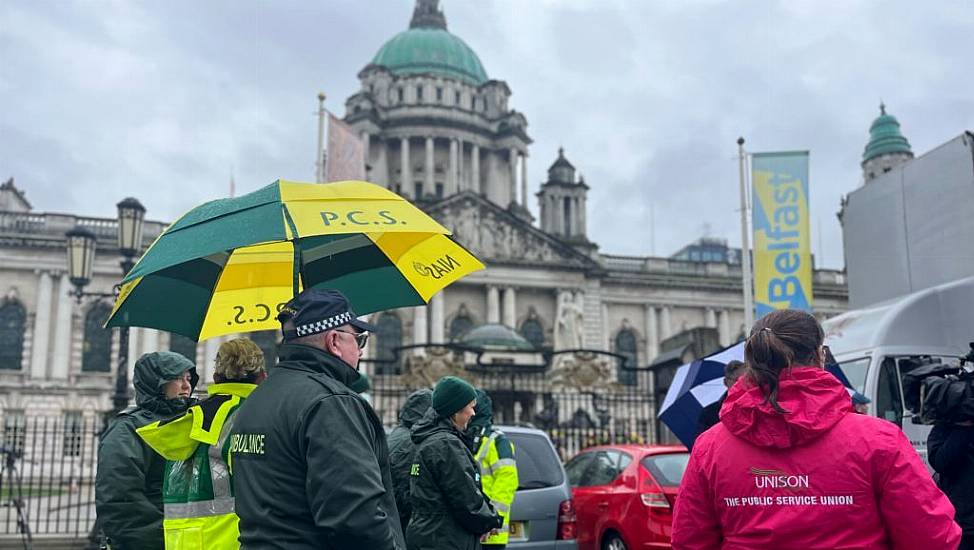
(488, 534)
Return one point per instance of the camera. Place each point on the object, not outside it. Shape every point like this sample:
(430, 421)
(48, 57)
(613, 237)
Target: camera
(939, 393)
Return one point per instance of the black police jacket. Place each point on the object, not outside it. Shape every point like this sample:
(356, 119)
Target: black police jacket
(449, 510)
(310, 462)
(950, 450)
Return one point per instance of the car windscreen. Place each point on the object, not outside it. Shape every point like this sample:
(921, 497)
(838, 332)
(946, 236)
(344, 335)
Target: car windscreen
(537, 463)
(667, 469)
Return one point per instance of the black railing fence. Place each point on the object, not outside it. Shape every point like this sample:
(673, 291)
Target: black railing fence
(48, 475)
(580, 399)
(588, 398)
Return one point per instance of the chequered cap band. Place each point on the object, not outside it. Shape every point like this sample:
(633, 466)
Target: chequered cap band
(324, 324)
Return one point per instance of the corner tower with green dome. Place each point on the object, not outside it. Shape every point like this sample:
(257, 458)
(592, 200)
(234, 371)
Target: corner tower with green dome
(887, 147)
(434, 123)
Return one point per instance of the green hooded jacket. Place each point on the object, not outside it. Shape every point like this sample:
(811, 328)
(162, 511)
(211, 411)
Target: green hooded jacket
(449, 510)
(401, 448)
(128, 484)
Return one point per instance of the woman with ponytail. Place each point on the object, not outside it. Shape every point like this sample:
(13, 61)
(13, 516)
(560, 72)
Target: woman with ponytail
(790, 465)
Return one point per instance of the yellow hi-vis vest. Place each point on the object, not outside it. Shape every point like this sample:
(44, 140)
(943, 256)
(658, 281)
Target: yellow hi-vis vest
(197, 488)
(498, 479)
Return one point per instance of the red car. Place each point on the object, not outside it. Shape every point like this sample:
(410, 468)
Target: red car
(624, 495)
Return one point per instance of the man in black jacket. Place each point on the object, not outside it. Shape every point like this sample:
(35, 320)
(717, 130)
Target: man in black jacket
(950, 449)
(309, 455)
(710, 415)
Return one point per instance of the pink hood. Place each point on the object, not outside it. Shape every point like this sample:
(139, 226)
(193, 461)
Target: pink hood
(815, 401)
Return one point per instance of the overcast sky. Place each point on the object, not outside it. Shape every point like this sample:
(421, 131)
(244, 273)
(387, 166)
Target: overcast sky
(162, 100)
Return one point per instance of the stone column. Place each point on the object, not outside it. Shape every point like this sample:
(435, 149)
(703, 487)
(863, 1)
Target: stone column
(606, 335)
(452, 181)
(524, 181)
(209, 359)
(582, 225)
(366, 145)
(559, 214)
(134, 342)
(493, 305)
(665, 326)
(419, 325)
(513, 161)
(430, 167)
(724, 327)
(710, 320)
(42, 326)
(475, 169)
(404, 169)
(652, 333)
(150, 341)
(461, 168)
(436, 321)
(62, 330)
(510, 308)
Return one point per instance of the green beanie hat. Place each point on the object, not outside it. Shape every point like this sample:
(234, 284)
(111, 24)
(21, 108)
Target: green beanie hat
(452, 394)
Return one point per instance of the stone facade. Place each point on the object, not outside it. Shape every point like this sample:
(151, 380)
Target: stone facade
(454, 146)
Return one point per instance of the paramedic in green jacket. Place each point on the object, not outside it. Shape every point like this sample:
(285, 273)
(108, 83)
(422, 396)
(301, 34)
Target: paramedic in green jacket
(449, 509)
(197, 489)
(128, 484)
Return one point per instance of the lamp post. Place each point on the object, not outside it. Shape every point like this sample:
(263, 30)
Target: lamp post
(81, 255)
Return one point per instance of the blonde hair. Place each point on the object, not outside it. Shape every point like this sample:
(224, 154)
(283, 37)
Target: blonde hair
(238, 359)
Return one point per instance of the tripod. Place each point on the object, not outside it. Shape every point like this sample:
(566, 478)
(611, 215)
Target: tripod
(9, 467)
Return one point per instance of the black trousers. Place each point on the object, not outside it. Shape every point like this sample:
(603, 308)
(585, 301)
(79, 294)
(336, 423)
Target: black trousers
(493, 546)
(966, 542)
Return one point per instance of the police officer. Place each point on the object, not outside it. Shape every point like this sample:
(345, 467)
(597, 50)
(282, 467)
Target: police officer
(308, 455)
(494, 454)
(197, 493)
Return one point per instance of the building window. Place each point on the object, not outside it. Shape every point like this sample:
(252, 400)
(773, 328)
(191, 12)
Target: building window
(183, 346)
(96, 353)
(533, 332)
(402, 95)
(13, 321)
(460, 325)
(388, 338)
(439, 95)
(439, 189)
(14, 430)
(266, 340)
(418, 186)
(73, 421)
(626, 346)
(456, 100)
(419, 94)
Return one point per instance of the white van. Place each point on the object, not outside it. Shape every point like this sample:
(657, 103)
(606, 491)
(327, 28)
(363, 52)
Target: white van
(876, 346)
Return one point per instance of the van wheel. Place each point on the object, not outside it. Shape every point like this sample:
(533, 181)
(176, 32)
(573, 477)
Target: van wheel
(613, 542)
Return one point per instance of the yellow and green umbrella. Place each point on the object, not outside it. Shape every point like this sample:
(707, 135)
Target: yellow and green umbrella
(229, 265)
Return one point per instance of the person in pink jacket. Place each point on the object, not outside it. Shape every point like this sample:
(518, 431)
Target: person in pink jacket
(791, 466)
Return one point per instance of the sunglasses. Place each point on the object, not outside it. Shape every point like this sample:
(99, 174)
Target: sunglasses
(361, 338)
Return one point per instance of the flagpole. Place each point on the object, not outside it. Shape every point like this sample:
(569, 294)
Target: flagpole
(320, 156)
(746, 279)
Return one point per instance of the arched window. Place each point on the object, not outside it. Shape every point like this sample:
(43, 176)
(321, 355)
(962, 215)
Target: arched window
(626, 346)
(97, 351)
(183, 346)
(460, 324)
(13, 319)
(533, 332)
(388, 338)
(266, 340)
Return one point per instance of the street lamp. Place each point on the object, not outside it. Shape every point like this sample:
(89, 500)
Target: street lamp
(81, 256)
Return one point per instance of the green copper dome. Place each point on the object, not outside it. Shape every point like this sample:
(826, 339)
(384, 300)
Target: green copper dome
(431, 50)
(885, 137)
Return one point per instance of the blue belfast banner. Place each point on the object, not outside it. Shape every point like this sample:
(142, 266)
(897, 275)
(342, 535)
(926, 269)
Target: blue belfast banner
(782, 244)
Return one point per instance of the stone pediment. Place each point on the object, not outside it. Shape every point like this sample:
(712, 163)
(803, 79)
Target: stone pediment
(494, 234)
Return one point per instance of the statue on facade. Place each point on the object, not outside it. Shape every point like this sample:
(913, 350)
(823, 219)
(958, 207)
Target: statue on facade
(569, 328)
(422, 371)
